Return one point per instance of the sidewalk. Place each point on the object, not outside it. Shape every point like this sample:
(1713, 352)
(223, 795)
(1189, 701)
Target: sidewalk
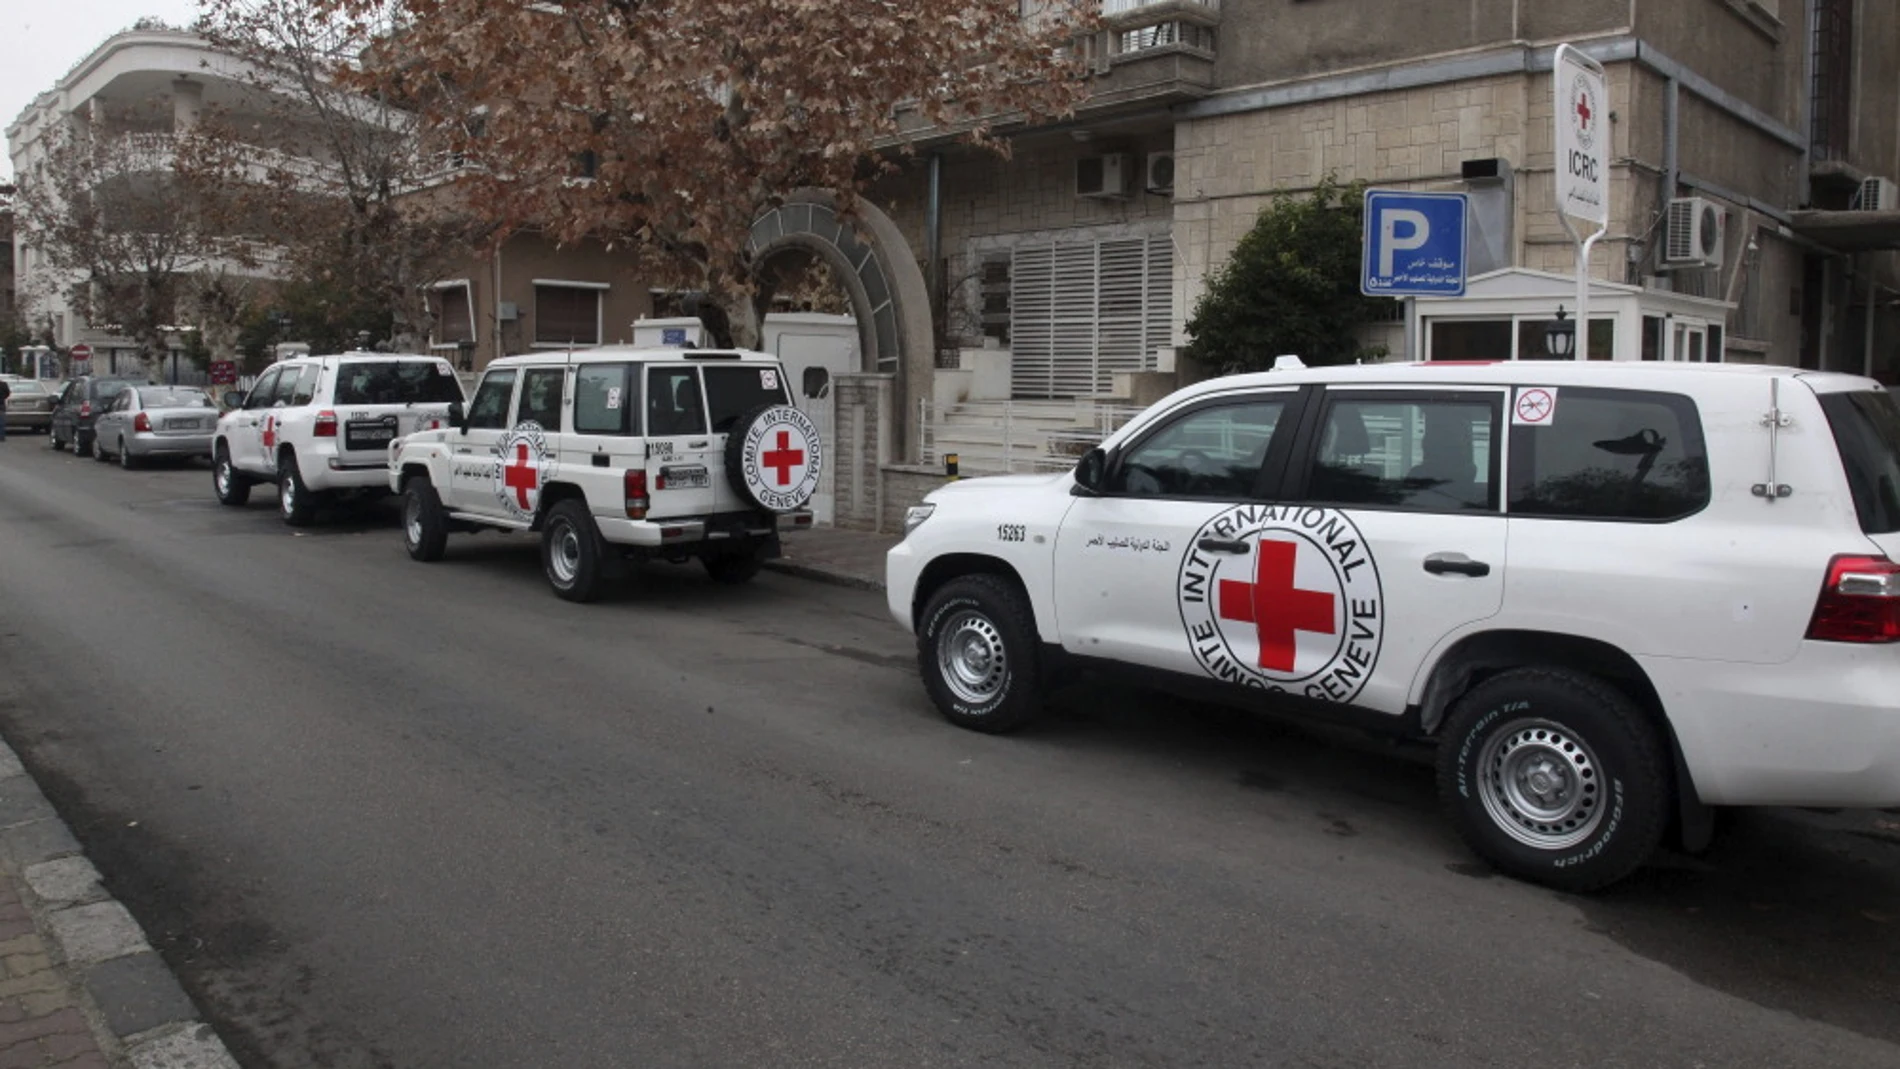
(830, 555)
(80, 988)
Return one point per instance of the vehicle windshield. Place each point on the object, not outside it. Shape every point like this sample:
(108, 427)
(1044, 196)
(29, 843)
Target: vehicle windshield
(25, 386)
(395, 382)
(1866, 427)
(168, 397)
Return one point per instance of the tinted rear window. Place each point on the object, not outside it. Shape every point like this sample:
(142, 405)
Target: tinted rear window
(395, 382)
(1611, 455)
(1867, 429)
(731, 392)
(161, 397)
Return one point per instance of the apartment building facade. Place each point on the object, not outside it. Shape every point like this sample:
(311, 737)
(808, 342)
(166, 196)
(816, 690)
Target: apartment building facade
(1754, 144)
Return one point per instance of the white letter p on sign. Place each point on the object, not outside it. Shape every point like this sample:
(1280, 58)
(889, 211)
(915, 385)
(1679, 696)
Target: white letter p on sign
(1389, 239)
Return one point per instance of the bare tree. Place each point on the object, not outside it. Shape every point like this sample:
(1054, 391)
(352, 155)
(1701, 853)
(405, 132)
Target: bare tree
(121, 228)
(666, 126)
(343, 180)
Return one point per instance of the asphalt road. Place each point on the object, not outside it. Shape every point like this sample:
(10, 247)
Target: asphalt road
(379, 813)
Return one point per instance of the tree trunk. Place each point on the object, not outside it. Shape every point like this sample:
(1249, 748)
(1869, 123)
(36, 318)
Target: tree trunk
(732, 321)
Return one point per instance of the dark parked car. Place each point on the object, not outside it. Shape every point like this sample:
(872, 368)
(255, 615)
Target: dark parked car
(84, 398)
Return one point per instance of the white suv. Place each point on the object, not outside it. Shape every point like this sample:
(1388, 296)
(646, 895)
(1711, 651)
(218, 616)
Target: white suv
(1615, 595)
(321, 425)
(618, 453)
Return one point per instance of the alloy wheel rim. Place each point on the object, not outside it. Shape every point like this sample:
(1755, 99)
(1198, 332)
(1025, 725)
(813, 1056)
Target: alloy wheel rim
(412, 519)
(1541, 784)
(971, 657)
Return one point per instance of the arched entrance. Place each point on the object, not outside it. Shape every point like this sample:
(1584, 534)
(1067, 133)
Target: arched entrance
(874, 265)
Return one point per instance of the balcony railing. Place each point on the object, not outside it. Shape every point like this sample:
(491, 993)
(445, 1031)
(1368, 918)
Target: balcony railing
(151, 152)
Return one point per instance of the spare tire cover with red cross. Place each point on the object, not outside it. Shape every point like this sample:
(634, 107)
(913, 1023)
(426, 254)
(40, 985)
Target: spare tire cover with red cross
(773, 457)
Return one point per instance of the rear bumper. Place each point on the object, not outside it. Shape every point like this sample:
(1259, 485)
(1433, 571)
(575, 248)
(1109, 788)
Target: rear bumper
(27, 421)
(702, 531)
(169, 445)
(1822, 729)
(332, 473)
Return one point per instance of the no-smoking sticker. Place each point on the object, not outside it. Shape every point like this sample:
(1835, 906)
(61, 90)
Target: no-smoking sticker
(1536, 406)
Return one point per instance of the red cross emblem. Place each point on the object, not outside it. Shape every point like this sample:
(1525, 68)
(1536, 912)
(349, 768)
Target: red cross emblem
(270, 431)
(783, 459)
(1583, 110)
(521, 476)
(1276, 608)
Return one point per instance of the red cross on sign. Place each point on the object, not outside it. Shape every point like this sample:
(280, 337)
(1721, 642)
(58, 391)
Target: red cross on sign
(521, 476)
(1276, 608)
(1583, 110)
(783, 459)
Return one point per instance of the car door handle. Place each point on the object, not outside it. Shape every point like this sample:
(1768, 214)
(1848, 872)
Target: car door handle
(1222, 545)
(1456, 563)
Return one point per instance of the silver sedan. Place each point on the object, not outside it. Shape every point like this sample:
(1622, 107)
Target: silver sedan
(155, 421)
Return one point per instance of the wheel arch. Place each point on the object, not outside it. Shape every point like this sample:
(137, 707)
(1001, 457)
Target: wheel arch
(409, 470)
(553, 494)
(1475, 658)
(950, 566)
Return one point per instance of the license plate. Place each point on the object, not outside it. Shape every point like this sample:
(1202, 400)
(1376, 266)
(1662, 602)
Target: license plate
(184, 424)
(684, 477)
(368, 435)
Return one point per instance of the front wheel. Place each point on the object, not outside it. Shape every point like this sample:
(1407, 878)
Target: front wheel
(1555, 777)
(233, 489)
(571, 552)
(425, 530)
(976, 649)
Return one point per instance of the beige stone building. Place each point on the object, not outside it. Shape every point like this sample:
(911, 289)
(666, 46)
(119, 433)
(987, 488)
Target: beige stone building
(1754, 144)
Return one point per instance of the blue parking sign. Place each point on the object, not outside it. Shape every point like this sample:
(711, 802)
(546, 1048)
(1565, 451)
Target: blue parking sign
(1414, 245)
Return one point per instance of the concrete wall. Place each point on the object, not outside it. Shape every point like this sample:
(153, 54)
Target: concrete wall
(862, 447)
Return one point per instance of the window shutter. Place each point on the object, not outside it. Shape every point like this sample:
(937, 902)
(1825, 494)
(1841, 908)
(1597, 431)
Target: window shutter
(1032, 321)
(566, 315)
(1081, 311)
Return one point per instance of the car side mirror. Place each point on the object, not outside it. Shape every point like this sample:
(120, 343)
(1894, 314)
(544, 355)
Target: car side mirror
(817, 382)
(233, 399)
(458, 415)
(1092, 473)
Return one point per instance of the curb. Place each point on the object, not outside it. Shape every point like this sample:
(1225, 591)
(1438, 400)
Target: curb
(824, 575)
(140, 1009)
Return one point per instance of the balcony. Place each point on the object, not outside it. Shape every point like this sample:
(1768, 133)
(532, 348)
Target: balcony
(1152, 52)
(155, 153)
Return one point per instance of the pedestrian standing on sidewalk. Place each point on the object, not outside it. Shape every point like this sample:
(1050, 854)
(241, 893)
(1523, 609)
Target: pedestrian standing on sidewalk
(5, 392)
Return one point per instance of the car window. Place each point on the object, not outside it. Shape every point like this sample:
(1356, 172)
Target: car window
(109, 388)
(605, 398)
(541, 397)
(1866, 428)
(25, 386)
(396, 382)
(1611, 455)
(301, 389)
(1211, 452)
(1429, 452)
(731, 392)
(167, 397)
(490, 408)
(260, 395)
(673, 402)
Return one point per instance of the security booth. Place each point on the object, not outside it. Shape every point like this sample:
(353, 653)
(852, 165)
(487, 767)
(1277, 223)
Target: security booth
(1520, 314)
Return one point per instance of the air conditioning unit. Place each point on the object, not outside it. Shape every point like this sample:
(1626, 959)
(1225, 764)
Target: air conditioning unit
(1694, 238)
(1879, 195)
(1161, 173)
(1102, 176)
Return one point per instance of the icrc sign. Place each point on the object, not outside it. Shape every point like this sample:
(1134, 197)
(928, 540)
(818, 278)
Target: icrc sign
(1583, 137)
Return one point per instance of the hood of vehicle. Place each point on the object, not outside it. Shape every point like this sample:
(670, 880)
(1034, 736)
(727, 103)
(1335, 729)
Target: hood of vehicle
(989, 484)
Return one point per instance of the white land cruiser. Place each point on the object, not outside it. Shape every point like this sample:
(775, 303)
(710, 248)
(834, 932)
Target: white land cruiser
(1617, 596)
(617, 453)
(318, 426)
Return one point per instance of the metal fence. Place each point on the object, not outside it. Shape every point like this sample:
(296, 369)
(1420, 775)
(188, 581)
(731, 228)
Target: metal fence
(1000, 437)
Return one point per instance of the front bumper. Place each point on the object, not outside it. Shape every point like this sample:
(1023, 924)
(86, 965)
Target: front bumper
(902, 567)
(1822, 729)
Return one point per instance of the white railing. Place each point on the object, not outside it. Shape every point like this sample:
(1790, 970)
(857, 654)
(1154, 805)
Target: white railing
(1122, 7)
(157, 151)
(1000, 437)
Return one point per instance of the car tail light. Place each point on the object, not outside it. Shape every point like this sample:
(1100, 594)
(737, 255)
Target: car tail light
(142, 423)
(636, 494)
(85, 409)
(326, 425)
(1860, 601)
